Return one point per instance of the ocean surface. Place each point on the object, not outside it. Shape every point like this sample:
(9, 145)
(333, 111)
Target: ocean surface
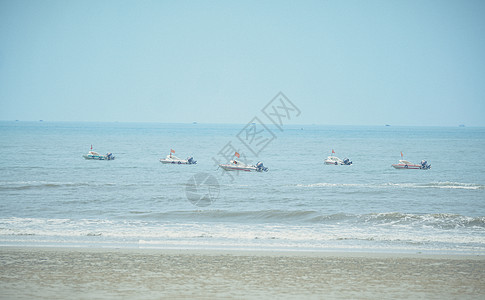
(51, 196)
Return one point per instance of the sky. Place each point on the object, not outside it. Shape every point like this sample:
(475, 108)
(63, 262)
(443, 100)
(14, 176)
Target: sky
(411, 63)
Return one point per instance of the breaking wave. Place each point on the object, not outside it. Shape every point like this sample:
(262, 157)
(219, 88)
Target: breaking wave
(27, 185)
(290, 218)
(434, 185)
(384, 231)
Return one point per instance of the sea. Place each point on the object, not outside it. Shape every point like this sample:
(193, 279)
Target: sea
(50, 196)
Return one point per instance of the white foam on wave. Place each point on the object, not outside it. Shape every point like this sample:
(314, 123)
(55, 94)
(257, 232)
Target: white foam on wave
(327, 184)
(454, 185)
(439, 185)
(265, 236)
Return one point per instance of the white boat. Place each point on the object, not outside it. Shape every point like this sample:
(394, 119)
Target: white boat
(172, 159)
(404, 164)
(96, 156)
(333, 160)
(235, 165)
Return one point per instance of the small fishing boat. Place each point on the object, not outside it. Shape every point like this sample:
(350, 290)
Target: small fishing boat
(404, 164)
(96, 156)
(235, 165)
(172, 159)
(333, 160)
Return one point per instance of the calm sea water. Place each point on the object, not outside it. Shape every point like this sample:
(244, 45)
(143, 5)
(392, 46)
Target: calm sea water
(51, 196)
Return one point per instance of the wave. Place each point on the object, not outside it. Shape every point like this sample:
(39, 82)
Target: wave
(442, 221)
(26, 185)
(438, 185)
(244, 217)
(453, 185)
(294, 216)
(386, 231)
(326, 184)
(284, 218)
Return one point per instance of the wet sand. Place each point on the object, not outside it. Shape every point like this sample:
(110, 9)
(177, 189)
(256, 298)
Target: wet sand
(72, 273)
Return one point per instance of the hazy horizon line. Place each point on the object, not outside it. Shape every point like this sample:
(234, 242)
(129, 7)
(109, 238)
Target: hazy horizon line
(222, 123)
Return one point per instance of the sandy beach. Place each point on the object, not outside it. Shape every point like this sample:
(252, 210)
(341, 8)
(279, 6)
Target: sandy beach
(62, 273)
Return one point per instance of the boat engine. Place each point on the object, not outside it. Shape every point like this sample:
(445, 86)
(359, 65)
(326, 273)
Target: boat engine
(425, 165)
(191, 161)
(347, 162)
(260, 167)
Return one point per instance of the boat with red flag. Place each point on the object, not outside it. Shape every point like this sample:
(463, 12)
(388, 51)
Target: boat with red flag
(404, 164)
(172, 159)
(236, 165)
(334, 160)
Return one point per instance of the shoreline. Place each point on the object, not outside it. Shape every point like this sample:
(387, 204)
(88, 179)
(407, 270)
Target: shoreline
(107, 273)
(246, 252)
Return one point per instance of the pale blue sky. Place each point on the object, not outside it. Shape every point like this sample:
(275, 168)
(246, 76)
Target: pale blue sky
(341, 62)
